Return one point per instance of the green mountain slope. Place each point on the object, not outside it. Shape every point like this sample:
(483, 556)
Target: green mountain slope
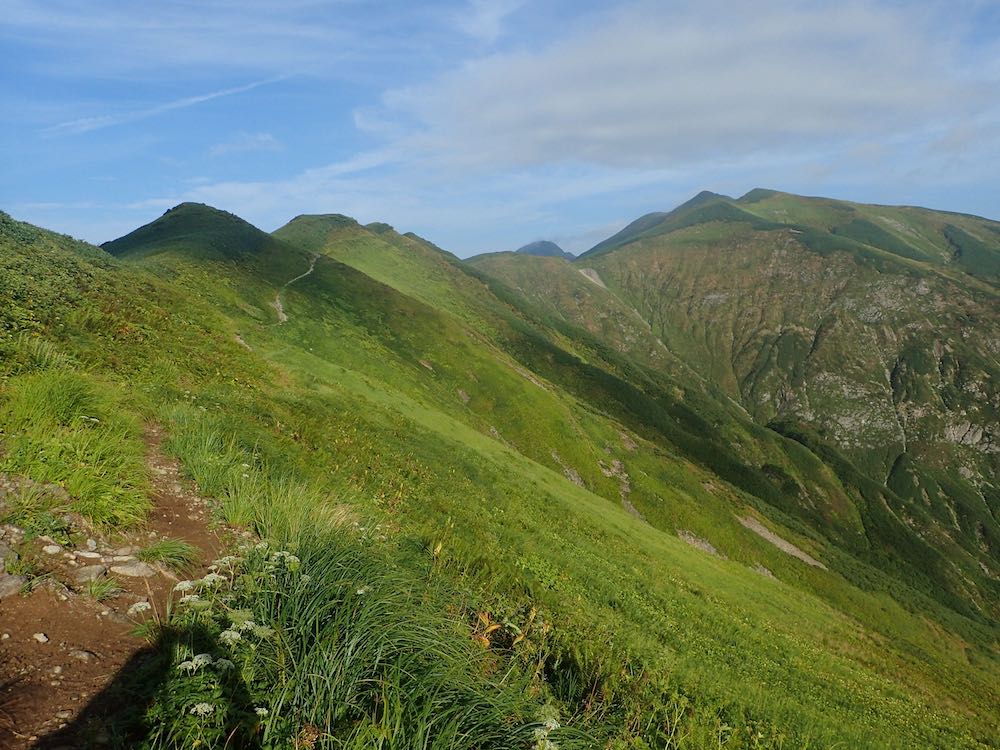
(853, 329)
(597, 502)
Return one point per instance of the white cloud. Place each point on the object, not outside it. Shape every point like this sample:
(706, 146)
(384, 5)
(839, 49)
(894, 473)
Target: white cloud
(655, 85)
(244, 142)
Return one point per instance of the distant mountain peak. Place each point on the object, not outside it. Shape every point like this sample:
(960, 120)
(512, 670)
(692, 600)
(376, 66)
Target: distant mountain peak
(545, 249)
(193, 228)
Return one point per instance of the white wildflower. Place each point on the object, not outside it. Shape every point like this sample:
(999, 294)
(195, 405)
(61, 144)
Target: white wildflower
(262, 631)
(247, 625)
(190, 599)
(202, 660)
(138, 608)
(362, 591)
(230, 636)
(202, 709)
(187, 666)
(551, 725)
(261, 546)
(213, 579)
(261, 711)
(184, 586)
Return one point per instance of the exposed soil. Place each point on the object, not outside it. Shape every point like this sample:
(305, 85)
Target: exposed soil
(277, 304)
(783, 544)
(44, 686)
(591, 275)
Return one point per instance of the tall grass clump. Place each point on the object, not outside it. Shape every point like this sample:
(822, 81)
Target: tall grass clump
(62, 427)
(251, 492)
(176, 554)
(329, 646)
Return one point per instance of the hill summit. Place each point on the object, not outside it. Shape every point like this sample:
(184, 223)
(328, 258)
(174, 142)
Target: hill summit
(545, 249)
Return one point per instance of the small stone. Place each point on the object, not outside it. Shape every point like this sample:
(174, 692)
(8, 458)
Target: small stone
(41, 637)
(57, 670)
(64, 715)
(11, 585)
(51, 549)
(5, 637)
(126, 551)
(135, 569)
(89, 555)
(82, 654)
(91, 544)
(122, 558)
(89, 573)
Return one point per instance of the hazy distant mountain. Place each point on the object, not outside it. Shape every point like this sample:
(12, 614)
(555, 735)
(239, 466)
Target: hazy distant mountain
(545, 249)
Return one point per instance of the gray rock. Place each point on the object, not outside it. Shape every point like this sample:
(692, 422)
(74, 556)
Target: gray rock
(51, 549)
(11, 585)
(136, 569)
(88, 555)
(126, 551)
(89, 573)
(82, 654)
(123, 558)
(91, 544)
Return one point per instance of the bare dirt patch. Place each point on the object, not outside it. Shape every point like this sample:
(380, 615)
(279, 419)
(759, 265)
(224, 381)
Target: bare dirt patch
(696, 541)
(784, 545)
(59, 647)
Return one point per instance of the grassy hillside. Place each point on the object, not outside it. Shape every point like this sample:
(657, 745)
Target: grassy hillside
(550, 501)
(847, 327)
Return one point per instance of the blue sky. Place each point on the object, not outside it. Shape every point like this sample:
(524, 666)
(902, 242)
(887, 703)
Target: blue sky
(485, 124)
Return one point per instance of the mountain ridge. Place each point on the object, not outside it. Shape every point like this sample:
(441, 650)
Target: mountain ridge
(637, 475)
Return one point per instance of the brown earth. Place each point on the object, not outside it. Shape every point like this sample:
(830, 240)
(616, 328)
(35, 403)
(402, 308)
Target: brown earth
(45, 687)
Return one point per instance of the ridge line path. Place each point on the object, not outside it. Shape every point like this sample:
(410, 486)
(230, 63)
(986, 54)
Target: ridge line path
(280, 308)
(59, 647)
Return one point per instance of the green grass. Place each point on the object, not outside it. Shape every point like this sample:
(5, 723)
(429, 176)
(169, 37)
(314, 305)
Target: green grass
(102, 589)
(176, 554)
(328, 643)
(66, 428)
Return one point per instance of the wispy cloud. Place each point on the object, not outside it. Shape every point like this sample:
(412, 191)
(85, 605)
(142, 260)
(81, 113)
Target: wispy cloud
(87, 124)
(652, 84)
(484, 19)
(244, 142)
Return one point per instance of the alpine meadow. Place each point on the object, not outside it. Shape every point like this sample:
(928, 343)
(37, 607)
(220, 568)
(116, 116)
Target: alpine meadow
(725, 476)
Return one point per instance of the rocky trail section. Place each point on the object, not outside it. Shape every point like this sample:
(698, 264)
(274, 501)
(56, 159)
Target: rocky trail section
(59, 645)
(278, 306)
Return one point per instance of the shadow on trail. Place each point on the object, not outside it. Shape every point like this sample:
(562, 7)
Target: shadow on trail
(117, 717)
